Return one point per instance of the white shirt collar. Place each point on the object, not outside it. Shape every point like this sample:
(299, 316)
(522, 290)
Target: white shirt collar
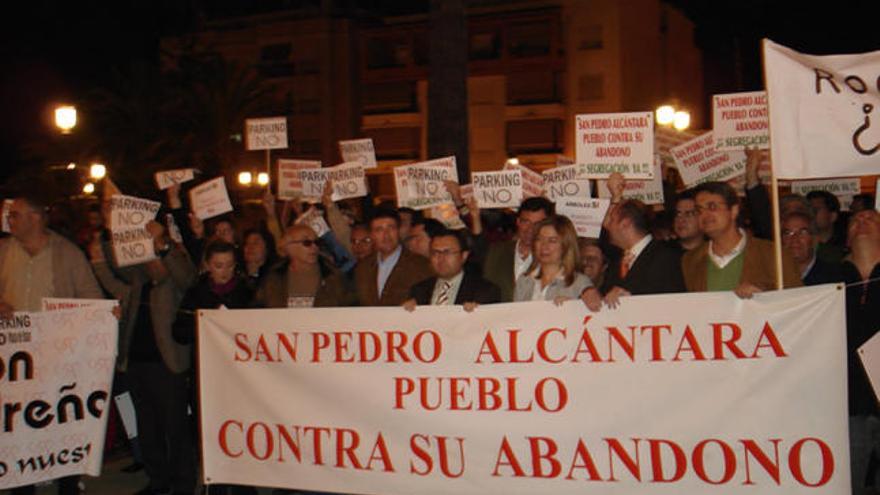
(722, 261)
(640, 246)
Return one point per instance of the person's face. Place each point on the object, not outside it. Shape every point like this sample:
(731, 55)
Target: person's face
(824, 217)
(221, 267)
(593, 261)
(24, 221)
(798, 240)
(418, 241)
(255, 249)
(301, 246)
(715, 217)
(686, 225)
(224, 232)
(361, 243)
(525, 224)
(384, 232)
(864, 226)
(548, 246)
(447, 258)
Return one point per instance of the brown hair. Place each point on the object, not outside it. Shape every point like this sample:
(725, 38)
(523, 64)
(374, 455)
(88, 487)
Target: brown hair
(571, 261)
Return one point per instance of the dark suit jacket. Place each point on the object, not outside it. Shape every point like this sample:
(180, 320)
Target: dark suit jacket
(409, 270)
(498, 267)
(824, 272)
(474, 288)
(657, 270)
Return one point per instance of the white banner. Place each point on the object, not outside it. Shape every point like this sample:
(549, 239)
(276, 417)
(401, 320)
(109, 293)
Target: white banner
(168, 178)
(821, 111)
(210, 199)
(59, 303)
(586, 215)
(562, 183)
(358, 150)
(266, 134)
(740, 120)
(289, 182)
(502, 189)
(698, 162)
(615, 142)
(844, 189)
(731, 396)
(56, 370)
(869, 355)
(420, 186)
(877, 196)
(533, 182)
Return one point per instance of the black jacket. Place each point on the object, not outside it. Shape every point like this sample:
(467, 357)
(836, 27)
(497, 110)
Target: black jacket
(200, 296)
(657, 270)
(474, 288)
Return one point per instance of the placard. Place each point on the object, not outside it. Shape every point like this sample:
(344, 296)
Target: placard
(289, 182)
(266, 134)
(562, 183)
(698, 162)
(60, 303)
(877, 196)
(533, 182)
(741, 120)
(615, 142)
(358, 150)
(844, 189)
(501, 189)
(132, 246)
(649, 192)
(448, 215)
(129, 212)
(210, 199)
(421, 186)
(314, 219)
(168, 178)
(587, 215)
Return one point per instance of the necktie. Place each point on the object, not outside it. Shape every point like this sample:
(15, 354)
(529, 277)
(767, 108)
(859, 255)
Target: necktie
(443, 297)
(625, 263)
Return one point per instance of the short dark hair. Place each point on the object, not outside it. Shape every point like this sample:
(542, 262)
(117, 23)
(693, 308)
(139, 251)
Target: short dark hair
(218, 247)
(687, 194)
(637, 213)
(830, 200)
(268, 240)
(414, 214)
(806, 217)
(537, 203)
(459, 235)
(722, 189)
(431, 225)
(385, 213)
(35, 201)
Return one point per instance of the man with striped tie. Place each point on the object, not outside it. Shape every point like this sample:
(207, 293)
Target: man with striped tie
(451, 284)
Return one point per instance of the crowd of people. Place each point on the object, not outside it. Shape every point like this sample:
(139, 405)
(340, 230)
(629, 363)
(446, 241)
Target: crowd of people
(378, 255)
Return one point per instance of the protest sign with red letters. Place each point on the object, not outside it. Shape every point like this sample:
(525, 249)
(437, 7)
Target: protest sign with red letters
(210, 199)
(740, 120)
(533, 182)
(615, 142)
(649, 192)
(824, 113)
(731, 396)
(289, 182)
(56, 371)
(358, 150)
(698, 161)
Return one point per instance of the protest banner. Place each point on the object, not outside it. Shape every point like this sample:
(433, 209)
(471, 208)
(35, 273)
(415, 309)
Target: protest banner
(313, 183)
(358, 150)
(649, 192)
(666, 138)
(348, 181)
(501, 189)
(586, 214)
(7, 204)
(448, 215)
(132, 246)
(615, 142)
(266, 134)
(128, 212)
(420, 185)
(314, 219)
(740, 120)
(820, 113)
(698, 162)
(56, 370)
(869, 355)
(168, 178)
(289, 182)
(844, 189)
(533, 182)
(562, 183)
(59, 303)
(530, 398)
(210, 199)
(130, 242)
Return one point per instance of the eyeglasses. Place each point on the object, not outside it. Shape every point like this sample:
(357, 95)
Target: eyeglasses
(444, 252)
(305, 242)
(365, 240)
(799, 232)
(685, 213)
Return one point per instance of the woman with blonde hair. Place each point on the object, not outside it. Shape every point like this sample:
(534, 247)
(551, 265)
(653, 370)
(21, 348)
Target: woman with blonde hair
(555, 274)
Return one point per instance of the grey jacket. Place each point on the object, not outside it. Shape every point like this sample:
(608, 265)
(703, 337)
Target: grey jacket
(525, 285)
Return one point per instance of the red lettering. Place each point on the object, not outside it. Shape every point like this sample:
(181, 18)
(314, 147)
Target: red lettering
(252, 441)
(615, 449)
(542, 345)
(320, 341)
(509, 459)
(341, 346)
(721, 342)
(224, 444)
(772, 342)
(241, 342)
(698, 461)
(657, 461)
(380, 453)
(561, 394)
(486, 393)
(581, 453)
(796, 468)
(513, 348)
(539, 454)
(347, 441)
(421, 454)
(628, 347)
(692, 345)
(402, 387)
(772, 467)
(656, 347)
(396, 348)
(488, 347)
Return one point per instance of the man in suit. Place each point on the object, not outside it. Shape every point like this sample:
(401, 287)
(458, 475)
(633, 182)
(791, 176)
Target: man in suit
(507, 260)
(647, 266)
(451, 284)
(800, 237)
(386, 278)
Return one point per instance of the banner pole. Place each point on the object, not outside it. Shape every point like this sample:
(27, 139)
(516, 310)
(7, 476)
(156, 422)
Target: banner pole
(269, 169)
(774, 182)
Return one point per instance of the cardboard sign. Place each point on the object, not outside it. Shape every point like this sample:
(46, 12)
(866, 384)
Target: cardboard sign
(501, 189)
(562, 183)
(844, 189)
(698, 162)
(824, 113)
(530, 397)
(58, 374)
(869, 354)
(132, 246)
(289, 182)
(649, 192)
(210, 199)
(533, 182)
(587, 215)
(448, 215)
(360, 151)
(666, 138)
(314, 219)
(420, 186)
(741, 120)
(168, 178)
(7, 205)
(128, 212)
(60, 303)
(615, 142)
(349, 181)
(266, 134)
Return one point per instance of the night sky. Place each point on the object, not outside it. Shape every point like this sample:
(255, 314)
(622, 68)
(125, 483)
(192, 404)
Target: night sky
(52, 51)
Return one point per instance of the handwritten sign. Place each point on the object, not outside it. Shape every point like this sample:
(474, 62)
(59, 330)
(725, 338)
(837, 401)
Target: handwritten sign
(698, 162)
(741, 120)
(289, 182)
(348, 181)
(168, 178)
(358, 150)
(615, 142)
(132, 246)
(563, 183)
(649, 192)
(586, 215)
(210, 199)
(266, 134)
(501, 189)
(128, 212)
(533, 182)
(420, 186)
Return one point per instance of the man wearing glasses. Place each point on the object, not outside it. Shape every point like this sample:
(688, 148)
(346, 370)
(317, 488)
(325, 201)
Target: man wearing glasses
(800, 237)
(732, 259)
(686, 224)
(451, 283)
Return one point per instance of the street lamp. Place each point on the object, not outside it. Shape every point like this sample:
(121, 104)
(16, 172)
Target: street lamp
(262, 178)
(665, 114)
(245, 178)
(681, 120)
(65, 118)
(89, 188)
(97, 171)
